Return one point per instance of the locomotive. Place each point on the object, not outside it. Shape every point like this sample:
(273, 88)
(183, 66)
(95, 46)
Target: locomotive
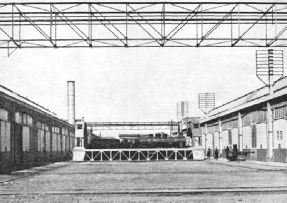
(159, 140)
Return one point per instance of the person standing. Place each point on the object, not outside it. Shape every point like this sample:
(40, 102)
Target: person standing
(226, 152)
(216, 153)
(208, 153)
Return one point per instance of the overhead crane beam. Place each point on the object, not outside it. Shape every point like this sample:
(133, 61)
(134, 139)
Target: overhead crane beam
(132, 125)
(142, 24)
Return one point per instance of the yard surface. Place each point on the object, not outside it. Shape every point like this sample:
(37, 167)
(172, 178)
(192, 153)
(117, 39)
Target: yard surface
(154, 181)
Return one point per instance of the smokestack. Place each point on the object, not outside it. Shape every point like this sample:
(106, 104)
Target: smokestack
(71, 102)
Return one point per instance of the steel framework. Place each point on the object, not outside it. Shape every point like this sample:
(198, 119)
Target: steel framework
(132, 125)
(139, 154)
(142, 24)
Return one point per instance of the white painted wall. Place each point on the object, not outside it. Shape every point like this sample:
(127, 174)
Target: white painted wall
(209, 141)
(216, 140)
(234, 133)
(280, 125)
(224, 138)
(247, 137)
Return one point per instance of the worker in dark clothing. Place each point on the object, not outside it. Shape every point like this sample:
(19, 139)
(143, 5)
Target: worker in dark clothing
(216, 153)
(226, 152)
(208, 153)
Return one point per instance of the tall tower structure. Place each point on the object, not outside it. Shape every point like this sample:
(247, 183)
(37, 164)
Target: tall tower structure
(71, 101)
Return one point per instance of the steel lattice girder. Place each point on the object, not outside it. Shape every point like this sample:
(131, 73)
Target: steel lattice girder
(142, 24)
(132, 125)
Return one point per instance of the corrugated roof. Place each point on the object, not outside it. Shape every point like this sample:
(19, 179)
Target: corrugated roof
(250, 99)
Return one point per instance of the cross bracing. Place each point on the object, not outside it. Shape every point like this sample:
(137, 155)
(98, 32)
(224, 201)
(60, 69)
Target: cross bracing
(142, 24)
(132, 125)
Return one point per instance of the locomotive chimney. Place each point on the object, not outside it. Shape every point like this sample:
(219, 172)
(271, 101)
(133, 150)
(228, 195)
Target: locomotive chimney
(71, 101)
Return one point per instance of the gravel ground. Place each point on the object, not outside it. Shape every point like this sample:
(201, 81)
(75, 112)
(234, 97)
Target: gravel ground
(166, 181)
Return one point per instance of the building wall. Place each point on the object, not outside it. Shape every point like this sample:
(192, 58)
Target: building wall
(234, 133)
(216, 140)
(261, 135)
(246, 131)
(22, 141)
(255, 139)
(225, 138)
(279, 135)
(209, 143)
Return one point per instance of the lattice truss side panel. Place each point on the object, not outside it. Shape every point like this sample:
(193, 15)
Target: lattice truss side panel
(118, 24)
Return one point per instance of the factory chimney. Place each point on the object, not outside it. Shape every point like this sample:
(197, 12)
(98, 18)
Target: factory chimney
(71, 101)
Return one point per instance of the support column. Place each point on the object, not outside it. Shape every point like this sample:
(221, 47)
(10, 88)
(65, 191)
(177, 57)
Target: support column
(111, 156)
(147, 155)
(184, 157)
(269, 110)
(129, 159)
(92, 157)
(270, 133)
(166, 155)
(220, 138)
(138, 155)
(240, 132)
(205, 147)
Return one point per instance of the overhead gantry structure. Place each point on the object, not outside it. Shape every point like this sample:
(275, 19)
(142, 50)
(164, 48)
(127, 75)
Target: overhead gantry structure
(142, 24)
(171, 125)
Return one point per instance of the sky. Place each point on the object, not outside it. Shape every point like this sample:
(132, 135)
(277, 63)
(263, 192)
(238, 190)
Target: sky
(136, 84)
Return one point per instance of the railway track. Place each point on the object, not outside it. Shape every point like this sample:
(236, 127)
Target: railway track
(159, 191)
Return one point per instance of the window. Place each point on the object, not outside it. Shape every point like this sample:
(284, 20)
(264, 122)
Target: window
(213, 128)
(230, 124)
(56, 139)
(43, 136)
(26, 138)
(27, 120)
(64, 131)
(246, 120)
(3, 115)
(280, 112)
(195, 126)
(18, 117)
(56, 129)
(79, 142)
(64, 143)
(4, 131)
(254, 117)
(279, 135)
(23, 118)
(48, 141)
(79, 126)
(4, 136)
